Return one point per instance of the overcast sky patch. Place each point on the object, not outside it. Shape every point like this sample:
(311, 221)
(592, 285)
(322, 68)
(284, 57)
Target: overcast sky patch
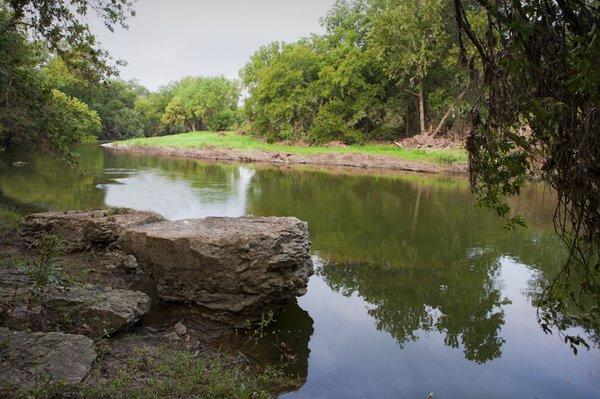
(171, 39)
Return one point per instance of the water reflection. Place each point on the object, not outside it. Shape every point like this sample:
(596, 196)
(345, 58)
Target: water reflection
(417, 289)
(463, 302)
(177, 198)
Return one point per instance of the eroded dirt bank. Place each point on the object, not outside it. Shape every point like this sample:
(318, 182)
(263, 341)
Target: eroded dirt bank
(352, 160)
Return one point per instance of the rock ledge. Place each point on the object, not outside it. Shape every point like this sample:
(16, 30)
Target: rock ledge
(79, 230)
(238, 269)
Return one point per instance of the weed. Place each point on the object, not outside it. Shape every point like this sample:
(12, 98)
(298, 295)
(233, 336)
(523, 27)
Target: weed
(44, 272)
(9, 220)
(166, 372)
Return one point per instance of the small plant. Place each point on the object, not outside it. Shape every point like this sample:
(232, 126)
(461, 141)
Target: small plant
(9, 220)
(266, 319)
(44, 272)
(168, 372)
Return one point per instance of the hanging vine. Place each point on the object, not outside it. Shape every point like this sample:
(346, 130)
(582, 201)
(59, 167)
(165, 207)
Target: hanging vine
(538, 115)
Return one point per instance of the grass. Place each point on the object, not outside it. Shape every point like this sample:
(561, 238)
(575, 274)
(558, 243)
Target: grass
(163, 372)
(9, 219)
(157, 372)
(240, 142)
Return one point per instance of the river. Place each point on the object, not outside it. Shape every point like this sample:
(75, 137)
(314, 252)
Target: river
(416, 290)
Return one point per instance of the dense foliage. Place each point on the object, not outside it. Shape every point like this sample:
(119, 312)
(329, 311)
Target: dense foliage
(113, 99)
(33, 108)
(202, 103)
(540, 114)
(383, 70)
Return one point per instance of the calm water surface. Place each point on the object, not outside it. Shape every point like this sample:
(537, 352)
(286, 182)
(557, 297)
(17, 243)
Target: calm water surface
(417, 291)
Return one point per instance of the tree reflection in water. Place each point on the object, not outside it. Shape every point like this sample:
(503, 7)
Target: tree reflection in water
(462, 302)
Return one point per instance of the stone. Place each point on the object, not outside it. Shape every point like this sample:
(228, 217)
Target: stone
(180, 328)
(129, 263)
(237, 269)
(17, 310)
(29, 359)
(97, 312)
(79, 230)
(172, 336)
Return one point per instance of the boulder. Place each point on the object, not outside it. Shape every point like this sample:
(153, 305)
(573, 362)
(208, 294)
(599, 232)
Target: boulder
(80, 230)
(94, 312)
(32, 359)
(237, 269)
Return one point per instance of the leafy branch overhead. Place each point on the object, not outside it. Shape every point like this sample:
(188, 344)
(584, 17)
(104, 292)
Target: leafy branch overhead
(539, 114)
(60, 26)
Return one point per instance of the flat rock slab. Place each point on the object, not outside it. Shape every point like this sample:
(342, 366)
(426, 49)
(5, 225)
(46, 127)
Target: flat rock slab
(97, 313)
(238, 269)
(29, 359)
(80, 230)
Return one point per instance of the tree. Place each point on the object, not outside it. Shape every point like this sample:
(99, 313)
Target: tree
(415, 42)
(32, 31)
(61, 26)
(201, 103)
(321, 89)
(539, 114)
(277, 77)
(33, 112)
(359, 80)
(112, 98)
(71, 121)
(151, 107)
(21, 87)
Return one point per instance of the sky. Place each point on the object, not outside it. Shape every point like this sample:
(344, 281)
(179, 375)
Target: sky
(170, 39)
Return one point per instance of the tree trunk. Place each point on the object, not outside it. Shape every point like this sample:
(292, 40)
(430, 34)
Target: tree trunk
(447, 114)
(407, 120)
(421, 106)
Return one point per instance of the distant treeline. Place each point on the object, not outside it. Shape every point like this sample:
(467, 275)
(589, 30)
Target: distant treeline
(384, 69)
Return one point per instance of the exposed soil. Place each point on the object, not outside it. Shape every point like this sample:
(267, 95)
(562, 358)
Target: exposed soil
(426, 140)
(365, 161)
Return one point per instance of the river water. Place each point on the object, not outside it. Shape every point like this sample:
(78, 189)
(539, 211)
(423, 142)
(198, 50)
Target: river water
(416, 291)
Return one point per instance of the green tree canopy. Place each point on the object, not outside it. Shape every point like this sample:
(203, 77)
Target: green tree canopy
(151, 107)
(414, 40)
(30, 33)
(113, 99)
(380, 66)
(61, 26)
(71, 120)
(203, 103)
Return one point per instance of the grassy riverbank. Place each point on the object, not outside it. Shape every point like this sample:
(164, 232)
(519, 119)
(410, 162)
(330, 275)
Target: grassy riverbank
(230, 140)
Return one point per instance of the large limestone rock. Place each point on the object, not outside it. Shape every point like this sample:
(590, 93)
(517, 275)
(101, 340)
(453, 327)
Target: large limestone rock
(80, 230)
(238, 269)
(29, 360)
(97, 313)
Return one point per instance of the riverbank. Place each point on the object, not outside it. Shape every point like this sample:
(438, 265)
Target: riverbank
(75, 322)
(233, 147)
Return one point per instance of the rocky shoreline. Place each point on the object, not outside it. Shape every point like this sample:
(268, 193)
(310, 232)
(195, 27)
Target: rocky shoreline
(74, 281)
(349, 160)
